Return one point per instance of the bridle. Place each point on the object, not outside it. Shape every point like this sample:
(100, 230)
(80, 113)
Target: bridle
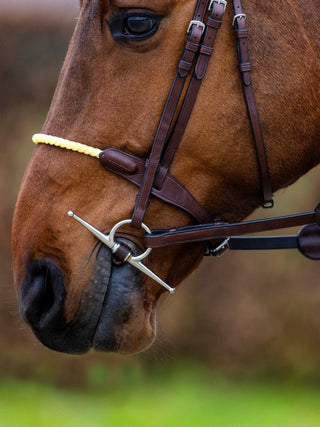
(152, 175)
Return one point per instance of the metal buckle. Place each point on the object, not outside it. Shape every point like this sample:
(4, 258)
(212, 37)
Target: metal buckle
(269, 204)
(240, 15)
(198, 24)
(219, 2)
(220, 250)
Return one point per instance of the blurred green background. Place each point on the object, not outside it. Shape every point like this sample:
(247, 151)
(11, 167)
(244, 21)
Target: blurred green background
(238, 344)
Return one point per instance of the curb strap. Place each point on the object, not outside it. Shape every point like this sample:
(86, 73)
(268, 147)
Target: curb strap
(241, 32)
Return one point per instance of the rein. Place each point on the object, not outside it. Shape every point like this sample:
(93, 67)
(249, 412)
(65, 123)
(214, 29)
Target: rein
(153, 177)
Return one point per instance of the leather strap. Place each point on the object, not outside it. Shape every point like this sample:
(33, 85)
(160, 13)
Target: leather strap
(160, 238)
(184, 68)
(241, 32)
(153, 177)
(263, 243)
(307, 241)
(213, 24)
(171, 191)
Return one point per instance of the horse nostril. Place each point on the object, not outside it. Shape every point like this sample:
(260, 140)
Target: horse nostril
(42, 295)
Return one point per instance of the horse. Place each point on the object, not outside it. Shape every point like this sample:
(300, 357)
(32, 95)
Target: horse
(111, 94)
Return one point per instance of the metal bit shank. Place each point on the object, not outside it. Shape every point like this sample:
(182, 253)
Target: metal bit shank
(134, 261)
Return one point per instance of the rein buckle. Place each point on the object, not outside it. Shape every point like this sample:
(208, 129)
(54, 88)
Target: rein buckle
(221, 249)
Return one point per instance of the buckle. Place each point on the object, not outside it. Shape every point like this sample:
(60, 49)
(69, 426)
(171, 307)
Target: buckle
(219, 2)
(269, 204)
(220, 250)
(240, 16)
(198, 24)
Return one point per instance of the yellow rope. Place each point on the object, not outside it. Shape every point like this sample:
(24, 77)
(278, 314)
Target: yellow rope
(40, 138)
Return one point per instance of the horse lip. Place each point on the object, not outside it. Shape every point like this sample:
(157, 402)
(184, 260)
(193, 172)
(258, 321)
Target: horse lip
(48, 321)
(122, 304)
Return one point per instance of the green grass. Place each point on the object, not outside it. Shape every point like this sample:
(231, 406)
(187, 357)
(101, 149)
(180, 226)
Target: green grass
(181, 399)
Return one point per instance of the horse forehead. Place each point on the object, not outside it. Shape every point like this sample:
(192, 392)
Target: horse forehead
(148, 4)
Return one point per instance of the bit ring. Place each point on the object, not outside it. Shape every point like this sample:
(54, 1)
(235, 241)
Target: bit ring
(120, 224)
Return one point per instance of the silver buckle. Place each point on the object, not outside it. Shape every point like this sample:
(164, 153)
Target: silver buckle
(220, 250)
(198, 24)
(219, 2)
(269, 204)
(239, 15)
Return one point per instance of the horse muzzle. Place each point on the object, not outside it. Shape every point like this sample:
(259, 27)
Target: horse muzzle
(114, 313)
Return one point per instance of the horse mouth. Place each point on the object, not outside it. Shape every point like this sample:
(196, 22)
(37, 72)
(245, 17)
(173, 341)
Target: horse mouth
(115, 313)
(127, 320)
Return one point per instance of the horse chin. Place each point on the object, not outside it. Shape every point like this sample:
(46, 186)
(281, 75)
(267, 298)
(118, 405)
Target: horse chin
(115, 312)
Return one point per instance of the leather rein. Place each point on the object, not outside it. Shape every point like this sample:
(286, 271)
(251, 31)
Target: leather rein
(152, 175)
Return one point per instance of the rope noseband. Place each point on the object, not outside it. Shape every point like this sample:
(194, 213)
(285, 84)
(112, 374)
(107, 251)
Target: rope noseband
(41, 138)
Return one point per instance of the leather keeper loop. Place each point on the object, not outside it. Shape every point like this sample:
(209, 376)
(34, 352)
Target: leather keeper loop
(245, 67)
(192, 47)
(241, 34)
(116, 161)
(213, 23)
(184, 66)
(121, 254)
(206, 50)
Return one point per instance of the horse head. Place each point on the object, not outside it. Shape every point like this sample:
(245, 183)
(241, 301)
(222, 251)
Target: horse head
(111, 93)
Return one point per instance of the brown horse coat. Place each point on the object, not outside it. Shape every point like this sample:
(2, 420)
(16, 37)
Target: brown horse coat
(111, 94)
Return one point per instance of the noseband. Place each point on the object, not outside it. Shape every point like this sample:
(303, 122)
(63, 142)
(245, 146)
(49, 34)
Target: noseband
(152, 175)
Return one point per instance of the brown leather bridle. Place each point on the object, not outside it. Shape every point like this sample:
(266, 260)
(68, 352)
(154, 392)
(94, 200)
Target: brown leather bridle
(153, 177)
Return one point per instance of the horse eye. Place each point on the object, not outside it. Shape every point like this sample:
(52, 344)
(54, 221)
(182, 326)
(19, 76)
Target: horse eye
(138, 25)
(134, 25)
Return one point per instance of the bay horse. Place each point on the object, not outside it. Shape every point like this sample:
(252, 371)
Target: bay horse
(112, 93)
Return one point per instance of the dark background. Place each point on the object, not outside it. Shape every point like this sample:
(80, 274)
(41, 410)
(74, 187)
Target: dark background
(247, 315)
